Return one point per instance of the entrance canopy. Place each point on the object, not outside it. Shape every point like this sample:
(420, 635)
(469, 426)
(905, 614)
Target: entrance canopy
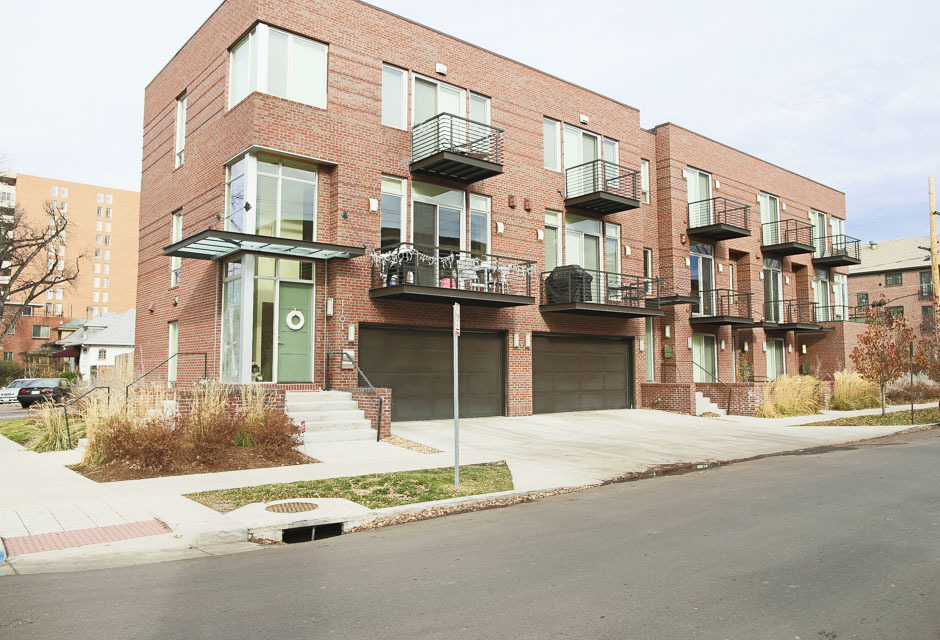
(212, 244)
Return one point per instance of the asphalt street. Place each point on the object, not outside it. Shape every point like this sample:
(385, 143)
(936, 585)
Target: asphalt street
(12, 411)
(842, 544)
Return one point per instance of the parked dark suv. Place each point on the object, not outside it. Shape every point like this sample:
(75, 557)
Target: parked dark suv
(43, 390)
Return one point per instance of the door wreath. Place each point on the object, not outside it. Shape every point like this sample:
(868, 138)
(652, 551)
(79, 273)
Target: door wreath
(295, 320)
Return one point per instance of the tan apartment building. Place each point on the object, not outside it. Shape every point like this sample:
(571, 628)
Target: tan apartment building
(102, 235)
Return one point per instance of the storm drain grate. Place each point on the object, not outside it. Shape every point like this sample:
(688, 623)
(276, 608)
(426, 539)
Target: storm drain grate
(291, 507)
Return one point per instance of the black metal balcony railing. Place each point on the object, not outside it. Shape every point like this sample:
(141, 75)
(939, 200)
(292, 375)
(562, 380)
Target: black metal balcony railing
(791, 311)
(447, 132)
(840, 313)
(440, 268)
(718, 211)
(786, 231)
(601, 176)
(574, 284)
(723, 302)
(839, 245)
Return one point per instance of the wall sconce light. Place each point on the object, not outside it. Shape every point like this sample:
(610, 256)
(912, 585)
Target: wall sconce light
(515, 340)
(351, 333)
(667, 330)
(626, 249)
(790, 347)
(528, 340)
(683, 238)
(690, 343)
(765, 345)
(512, 202)
(721, 267)
(329, 307)
(745, 346)
(499, 227)
(540, 234)
(803, 348)
(688, 262)
(642, 345)
(527, 204)
(583, 119)
(760, 275)
(783, 205)
(786, 279)
(717, 183)
(722, 345)
(373, 205)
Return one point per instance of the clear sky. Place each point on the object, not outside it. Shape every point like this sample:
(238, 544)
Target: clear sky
(847, 93)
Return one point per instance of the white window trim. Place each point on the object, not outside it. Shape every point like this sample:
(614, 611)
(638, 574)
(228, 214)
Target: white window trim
(489, 220)
(463, 95)
(560, 237)
(486, 100)
(179, 158)
(404, 96)
(176, 262)
(645, 180)
(558, 134)
(405, 223)
(417, 197)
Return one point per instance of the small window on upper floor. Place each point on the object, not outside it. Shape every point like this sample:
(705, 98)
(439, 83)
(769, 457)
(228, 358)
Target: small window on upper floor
(394, 97)
(893, 279)
(64, 192)
(551, 140)
(55, 192)
(295, 67)
(99, 211)
(107, 213)
(64, 207)
(180, 129)
(861, 299)
(109, 199)
(645, 180)
(40, 331)
(479, 108)
(100, 198)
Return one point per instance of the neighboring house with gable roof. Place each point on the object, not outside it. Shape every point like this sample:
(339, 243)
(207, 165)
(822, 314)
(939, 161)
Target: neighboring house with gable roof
(897, 272)
(99, 342)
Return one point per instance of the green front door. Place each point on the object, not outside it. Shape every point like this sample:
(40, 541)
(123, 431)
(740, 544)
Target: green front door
(295, 333)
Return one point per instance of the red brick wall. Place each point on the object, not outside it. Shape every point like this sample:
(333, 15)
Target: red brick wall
(905, 295)
(370, 406)
(349, 133)
(745, 396)
(678, 397)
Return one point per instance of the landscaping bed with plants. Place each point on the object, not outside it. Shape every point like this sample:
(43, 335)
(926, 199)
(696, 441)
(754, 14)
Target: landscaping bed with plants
(143, 440)
(895, 418)
(373, 491)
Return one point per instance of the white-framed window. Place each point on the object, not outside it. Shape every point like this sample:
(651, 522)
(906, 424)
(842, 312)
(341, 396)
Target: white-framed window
(40, 331)
(480, 209)
(64, 191)
(583, 243)
(49, 294)
(552, 239)
(818, 220)
(394, 96)
(580, 146)
(235, 195)
(392, 211)
(100, 211)
(104, 283)
(107, 241)
(99, 226)
(232, 311)
(58, 309)
(769, 218)
(437, 218)
(61, 251)
(97, 239)
(704, 358)
(650, 353)
(479, 108)
(176, 262)
(840, 295)
(60, 265)
(698, 189)
(286, 199)
(776, 358)
(278, 63)
(100, 198)
(107, 254)
(107, 227)
(54, 205)
(97, 253)
(173, 348)
(94, 296)
(108, 213)
(58, 294)
(645, 180)
(612, 247)
(181, 129)
(107, 268)
(104, 296)
(55, 191)
(109, 199)
(102, 354)
(702, 276)
(551, 144)
(96, 283)
(432, 97)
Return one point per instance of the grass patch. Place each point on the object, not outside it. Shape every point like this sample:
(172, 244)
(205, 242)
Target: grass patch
(893, 419)
(373, 491)
(19, 431)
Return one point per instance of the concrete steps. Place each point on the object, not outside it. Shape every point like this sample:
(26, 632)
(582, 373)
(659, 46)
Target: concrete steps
(703, 404)
(328, 416)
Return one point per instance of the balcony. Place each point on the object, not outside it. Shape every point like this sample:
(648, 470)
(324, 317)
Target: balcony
(718, 219)
(836, 251)
(602, 187)
(841, 313)
(671, 296)
(571, 289)
(455, 148)
(418, 273)
(723, 306)
(801, 316)
(787, 237)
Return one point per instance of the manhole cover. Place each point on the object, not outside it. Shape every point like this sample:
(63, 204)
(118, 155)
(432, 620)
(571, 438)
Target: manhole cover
(291, 507)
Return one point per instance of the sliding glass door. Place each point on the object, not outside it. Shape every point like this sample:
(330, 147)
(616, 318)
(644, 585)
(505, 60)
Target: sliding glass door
(702, 267)
(704, 358)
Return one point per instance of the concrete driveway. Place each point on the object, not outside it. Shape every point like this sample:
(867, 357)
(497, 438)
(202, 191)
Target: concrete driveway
(571, 449)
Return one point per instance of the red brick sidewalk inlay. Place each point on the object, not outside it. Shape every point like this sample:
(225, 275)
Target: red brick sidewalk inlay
(81, 537)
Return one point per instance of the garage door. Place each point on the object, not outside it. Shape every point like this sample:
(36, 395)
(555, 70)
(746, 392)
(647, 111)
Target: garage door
(581, 373)
(417, 365)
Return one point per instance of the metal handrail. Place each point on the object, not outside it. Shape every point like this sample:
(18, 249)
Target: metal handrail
(602, 176)
(456, 134)
(205, 369)
(786, 230)
(837, 245)
(65, 409)
(805, 311)
(573, 283)
(329, 380)
(719, 211)
(723, 301)
(709, 373)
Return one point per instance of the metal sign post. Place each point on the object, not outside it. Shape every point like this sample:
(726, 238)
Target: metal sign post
(456, 398)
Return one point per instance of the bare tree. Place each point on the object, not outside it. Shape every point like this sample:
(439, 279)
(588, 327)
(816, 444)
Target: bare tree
(29, 261)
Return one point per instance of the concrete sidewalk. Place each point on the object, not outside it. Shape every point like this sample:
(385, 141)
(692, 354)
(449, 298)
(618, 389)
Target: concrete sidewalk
(41, 497)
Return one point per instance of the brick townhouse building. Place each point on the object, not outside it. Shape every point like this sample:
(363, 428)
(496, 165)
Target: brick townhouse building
(896, 274)
(326, 177)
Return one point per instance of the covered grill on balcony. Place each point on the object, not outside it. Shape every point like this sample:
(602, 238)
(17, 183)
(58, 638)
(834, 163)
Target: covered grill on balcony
(418, 273)
(802, 316)
(787, 237)
(719, 219)
(602, 187)
(572, 289)
(723, 306)
(836, 251)
(456, 148)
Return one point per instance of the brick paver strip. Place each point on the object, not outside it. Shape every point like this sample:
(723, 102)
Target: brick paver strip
(82, 537)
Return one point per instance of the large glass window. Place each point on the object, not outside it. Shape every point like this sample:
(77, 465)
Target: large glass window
(926, 284)
(437, 227)
(895, 279)
(180, 129)
(773, 290)
(432, 97)
(286, 199)
(479, 108)
(231, 321)
(650, 353)
(776, 359)
(295, 67)
(698, 185)
(840, 295)
(702, 272)
(821, 296)
(173, 349)
(704, 358)
(612, 260)
(769, 218)
(394, 97)
(176, 263)
(582, 241)
(552, 239)
(645, 180)
(235, 197)
(818, 220)
(393, 196)
(479, 224)
(551, 143)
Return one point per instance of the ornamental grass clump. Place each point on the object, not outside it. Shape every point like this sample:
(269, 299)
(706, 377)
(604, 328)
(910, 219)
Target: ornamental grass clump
(899, 390)
(850, 391)
(48, 432)
(791, 396)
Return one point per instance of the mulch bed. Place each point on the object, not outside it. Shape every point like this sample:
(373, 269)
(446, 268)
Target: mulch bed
(234, 459)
